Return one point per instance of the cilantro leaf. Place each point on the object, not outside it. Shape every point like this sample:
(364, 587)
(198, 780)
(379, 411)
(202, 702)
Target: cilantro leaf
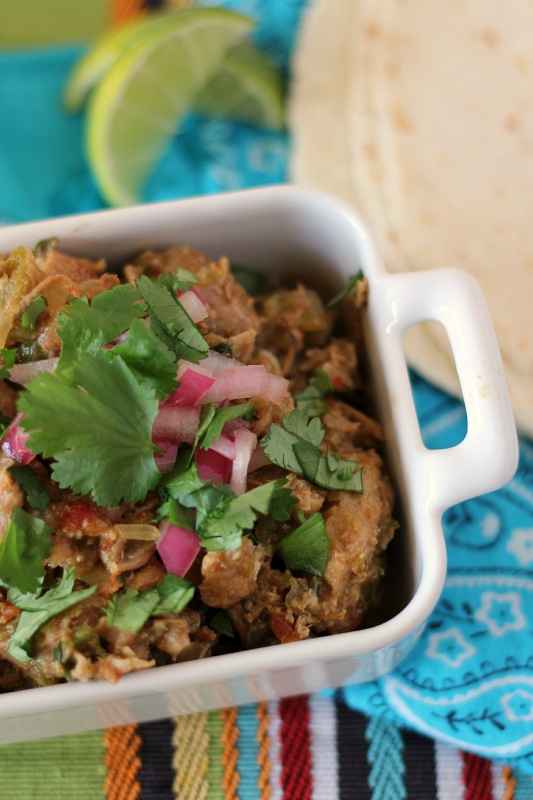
(22, 549)
(130, 609)
(4, 423)
(311, 399)
(170, 322)
(254, 283)
(221, 416)
(223, 532)
(85, 328)
(46, 245)
(180, 280)
(38, 609)
(175, 593)
(295, 447)
(307, 547)
(148, 358)
(180, 516)
(346, 291)
(36, 307)
(101, 437)
(9, 360)
(221, 622)
(36, 493)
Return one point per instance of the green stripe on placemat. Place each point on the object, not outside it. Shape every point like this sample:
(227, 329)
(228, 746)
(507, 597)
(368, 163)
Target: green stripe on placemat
(215, 770)
(64, 768)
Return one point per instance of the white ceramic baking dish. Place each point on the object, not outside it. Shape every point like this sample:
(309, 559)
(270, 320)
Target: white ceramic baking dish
(290, 232)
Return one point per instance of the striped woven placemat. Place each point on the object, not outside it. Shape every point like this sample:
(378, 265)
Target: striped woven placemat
(301, 748)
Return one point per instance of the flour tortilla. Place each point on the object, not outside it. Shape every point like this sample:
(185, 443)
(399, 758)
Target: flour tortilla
(440, 134)
(327, 35)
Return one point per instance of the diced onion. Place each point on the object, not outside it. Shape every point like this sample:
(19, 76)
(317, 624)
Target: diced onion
(177, 547)
(245, 442)
(194, 305)
(13, 442)
(146, 533)
(194, 384)
(22, 373)
(176, 424)
(239, 383)
(212, 465)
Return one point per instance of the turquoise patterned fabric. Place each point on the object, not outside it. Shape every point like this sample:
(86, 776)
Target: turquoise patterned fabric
(470, 678)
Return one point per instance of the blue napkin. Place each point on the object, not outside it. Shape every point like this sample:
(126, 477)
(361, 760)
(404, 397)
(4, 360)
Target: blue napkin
(469, 680)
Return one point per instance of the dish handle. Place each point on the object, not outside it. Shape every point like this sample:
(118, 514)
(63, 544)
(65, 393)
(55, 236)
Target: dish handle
(487, 457)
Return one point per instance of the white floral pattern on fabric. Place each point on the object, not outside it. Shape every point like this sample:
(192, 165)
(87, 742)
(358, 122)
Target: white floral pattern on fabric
(521, 545)
(518, 705)
(450, 646)
(501, 612)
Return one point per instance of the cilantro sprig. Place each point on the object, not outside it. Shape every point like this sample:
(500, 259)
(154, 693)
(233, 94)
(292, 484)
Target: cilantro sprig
(148, 358)
(296, 447)
(9, 360)
(311, 399)
(36, 493)
(169, 320)
(38, 608)
(346, 291)
(307, 547)
(85, 328)
(100, 437)
(130, 609)
(213, 430)
(22, 549)
(34, 310)
(220, 516)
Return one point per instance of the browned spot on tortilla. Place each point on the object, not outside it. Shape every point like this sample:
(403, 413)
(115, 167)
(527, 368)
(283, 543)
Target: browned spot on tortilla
(499, 191)
(490, 37)
(528, 264)
(372, 31)
(522, 64)
(401, 122)
(511, 123)
(428, 219)
(370, 150)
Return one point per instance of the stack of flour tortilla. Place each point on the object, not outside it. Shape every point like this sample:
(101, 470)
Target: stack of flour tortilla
(420, 114)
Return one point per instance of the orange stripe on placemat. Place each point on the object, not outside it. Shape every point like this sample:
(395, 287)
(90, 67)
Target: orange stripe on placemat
(230, 734)
(509, 783)
(264, 747)
(122, 762)
(121, 11)
(477, 777)
(295, 749)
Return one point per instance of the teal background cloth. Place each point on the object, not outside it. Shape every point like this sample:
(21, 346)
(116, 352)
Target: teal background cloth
(470, 678)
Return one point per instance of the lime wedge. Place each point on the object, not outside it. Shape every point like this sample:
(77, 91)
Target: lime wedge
(93, 66)
(137, 106)
(247, 87)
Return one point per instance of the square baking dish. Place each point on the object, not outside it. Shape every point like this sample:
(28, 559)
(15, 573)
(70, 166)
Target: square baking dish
(293, 233)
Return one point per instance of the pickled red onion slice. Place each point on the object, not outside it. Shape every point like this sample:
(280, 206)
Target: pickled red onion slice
(168, 459)
(239, 382)
(276, 389)
(176, 424)
(13, 442)
(177, 547)
(212, 465)
(194, 384)
(245, 442)
(194, 305)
